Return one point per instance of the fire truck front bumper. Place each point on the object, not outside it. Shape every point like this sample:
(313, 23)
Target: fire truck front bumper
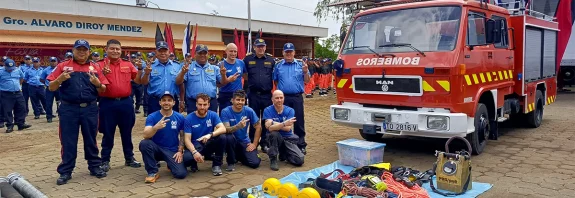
(423, 122)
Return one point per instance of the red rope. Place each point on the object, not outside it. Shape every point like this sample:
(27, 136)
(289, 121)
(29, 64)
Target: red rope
(352, 189)
(401, 190)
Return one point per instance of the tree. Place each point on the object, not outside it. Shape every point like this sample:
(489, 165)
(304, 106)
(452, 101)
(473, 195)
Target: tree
(327, 48)
(322, 11)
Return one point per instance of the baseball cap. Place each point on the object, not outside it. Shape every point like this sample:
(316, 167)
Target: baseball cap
(53, 59)
(138, 53)
(134, 56)
(260, 42)
(95, 54)
(161, 45)
(167, 93)
(188, 55)
(36, 60)
(151, 54)
(9, 63)
(69, 54)
(172, 54)
(4, 58)
(81, 43)
(105, 55)
(201, 48)
(27, 57)
(213, 58)
(289, 47)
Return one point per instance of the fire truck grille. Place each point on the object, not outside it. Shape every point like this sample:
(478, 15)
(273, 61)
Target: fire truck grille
(388, 85)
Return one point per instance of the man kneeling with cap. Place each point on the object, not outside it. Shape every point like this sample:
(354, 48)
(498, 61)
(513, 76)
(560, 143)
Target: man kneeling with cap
(161, 142)
(203, 129)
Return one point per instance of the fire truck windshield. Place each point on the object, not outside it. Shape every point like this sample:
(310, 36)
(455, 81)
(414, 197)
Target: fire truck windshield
(427, 29)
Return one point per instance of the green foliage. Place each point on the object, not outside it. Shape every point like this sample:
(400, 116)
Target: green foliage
(100, 50)
(327, 48)
(322, 12)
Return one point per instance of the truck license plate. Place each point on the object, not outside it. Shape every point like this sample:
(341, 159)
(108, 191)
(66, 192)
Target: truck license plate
(392, 126)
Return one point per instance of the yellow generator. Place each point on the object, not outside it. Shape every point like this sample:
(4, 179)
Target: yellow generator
(453, 170)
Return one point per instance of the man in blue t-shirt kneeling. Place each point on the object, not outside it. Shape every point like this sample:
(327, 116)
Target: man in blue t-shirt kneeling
(164, 140)
(237, 119)
(202, 135)
(279, 120)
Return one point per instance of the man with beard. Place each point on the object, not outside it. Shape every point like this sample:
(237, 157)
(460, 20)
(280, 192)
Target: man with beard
(116, 109)
(203, 129)
(164, 140)
(279, 120)
(79, 82)
(50, 95)
(233, 67)
(237, 118)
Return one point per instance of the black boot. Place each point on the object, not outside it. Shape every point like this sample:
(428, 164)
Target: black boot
(105, 166)
(133, 163)
(274, 164)
(98, 172)
(63, 179)
(9, 129)
(23, 126)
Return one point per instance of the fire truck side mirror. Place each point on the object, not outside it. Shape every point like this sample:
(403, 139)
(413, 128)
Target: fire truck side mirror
(492, 31)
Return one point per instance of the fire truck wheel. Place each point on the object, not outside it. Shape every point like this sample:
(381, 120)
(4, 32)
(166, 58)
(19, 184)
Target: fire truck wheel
(478, 139)
(370, 137)
(535, 117)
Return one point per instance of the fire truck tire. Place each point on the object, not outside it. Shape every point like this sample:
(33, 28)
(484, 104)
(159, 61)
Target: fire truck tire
(478, 139)
(535, 117)
(370, 137)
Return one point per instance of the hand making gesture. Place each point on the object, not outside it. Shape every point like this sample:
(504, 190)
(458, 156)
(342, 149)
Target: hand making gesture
(148, 68)
(64, 76)
(107, 69)
(161, 124)
(223, 69)
(305, 68)
(242, 124)
(93, 79)
(289, 122)
(205, 138)
(186, 67)
(138, 63)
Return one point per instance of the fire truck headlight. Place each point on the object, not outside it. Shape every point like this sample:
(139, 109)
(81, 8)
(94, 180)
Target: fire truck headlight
(437, 122)
(341, 114)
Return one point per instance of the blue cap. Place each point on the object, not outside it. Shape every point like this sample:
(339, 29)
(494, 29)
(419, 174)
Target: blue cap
(188, 55)
(133, 56)
(9, 63)
(172, 54)
(4, 58)
(105, 55)
(167, 93)
(151, 54)
(53, 59)
(161, 45)
(69, 54)
(36, 59)
(96, 54)
(138, 53)
(212, 58)
(81, 43)
(260, 42)
(27, 57)
(289, 47)
(201, 48)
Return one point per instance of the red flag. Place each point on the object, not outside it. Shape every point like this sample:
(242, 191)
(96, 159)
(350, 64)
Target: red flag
(242, 47)
(169, 37)
(565, 17)
(261, 32)
(236, 39)
(194, 43)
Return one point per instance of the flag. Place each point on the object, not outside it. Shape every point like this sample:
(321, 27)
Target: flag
(242, 47)
(261, 32)
(195, 37)
(159, 36)
(565, 17)
(169, 37)
(186, 41)
(236, 38)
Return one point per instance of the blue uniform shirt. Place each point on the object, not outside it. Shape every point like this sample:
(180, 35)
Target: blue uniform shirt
(199, 127)
(202, 80)
(32, 76)
(45, 73)
(163, 78)
(290, 77)
(259, 72)
(271, 113)
(167, 138)
(25, 67)
(238, 67)
(10, 81)
(233, 118)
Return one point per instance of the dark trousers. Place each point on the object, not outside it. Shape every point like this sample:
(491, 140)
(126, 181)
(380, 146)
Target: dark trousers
(295, 101)
(191, 105)
(145, 99)
(73, 119)
(137, 92)
(236, 150)
(13, 102)
(152, 153)
(38, 98)
(224, 100)
(26, 95)
(286, 148)
(258, 102)
(154, 104)
(216, 146)
(50, 97)
(118, 113)
(2, 118)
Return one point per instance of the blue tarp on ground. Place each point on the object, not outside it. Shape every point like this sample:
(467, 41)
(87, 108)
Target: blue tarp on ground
(299, 177)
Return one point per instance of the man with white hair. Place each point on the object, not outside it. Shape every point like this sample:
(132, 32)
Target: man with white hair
(233, 67)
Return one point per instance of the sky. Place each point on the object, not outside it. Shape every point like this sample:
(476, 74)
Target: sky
(301, 11)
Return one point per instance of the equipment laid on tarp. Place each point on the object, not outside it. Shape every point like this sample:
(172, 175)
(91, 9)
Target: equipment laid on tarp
(337, 180)
(453, 170)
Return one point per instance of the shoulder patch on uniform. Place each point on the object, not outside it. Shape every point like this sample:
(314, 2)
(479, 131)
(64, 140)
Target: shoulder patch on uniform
(252, 62)
(270, 55)
(267, 63)
(249, 54)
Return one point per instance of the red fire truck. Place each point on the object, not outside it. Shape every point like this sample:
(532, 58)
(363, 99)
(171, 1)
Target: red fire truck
(444, 68)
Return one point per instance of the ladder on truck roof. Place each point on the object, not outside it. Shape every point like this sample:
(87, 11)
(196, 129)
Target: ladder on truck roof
(525, 7)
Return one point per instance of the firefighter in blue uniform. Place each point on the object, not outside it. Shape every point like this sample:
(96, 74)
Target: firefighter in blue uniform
(2, 120)
(79, 82)
(160, 77)
(36, 88)
(50, 95)
(24, 68)
(151, 59)
(259, 85)
(68, 56)
(290, 75)
(11, 96)
(137, 89)
(95, 57)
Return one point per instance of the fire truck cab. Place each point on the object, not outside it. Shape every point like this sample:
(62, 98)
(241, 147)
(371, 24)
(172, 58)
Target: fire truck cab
(444, 68)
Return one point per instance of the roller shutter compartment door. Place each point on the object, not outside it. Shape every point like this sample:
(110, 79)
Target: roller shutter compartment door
(532, 54)
(549, 53)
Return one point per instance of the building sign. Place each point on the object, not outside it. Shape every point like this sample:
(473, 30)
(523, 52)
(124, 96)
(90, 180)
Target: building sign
(50, 23)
